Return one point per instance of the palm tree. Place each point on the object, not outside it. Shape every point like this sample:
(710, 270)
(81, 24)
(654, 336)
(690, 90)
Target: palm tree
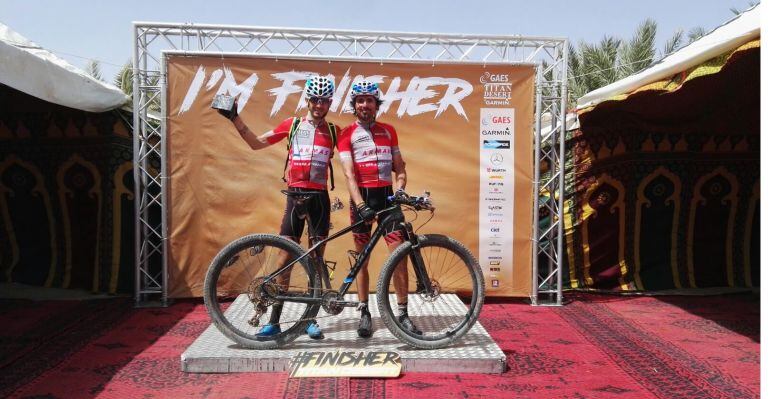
(124, 79)
(596, 65)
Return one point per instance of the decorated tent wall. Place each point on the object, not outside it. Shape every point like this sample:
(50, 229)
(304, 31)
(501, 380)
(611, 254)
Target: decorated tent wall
(664, 192)
(66, 196)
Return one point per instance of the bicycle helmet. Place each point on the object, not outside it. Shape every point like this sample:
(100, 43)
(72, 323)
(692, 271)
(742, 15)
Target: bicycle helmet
(319, 86)
(365, 88)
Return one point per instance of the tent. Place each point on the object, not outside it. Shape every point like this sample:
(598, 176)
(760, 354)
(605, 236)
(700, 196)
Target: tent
(66, 174)
(664, 189)
(34, 70)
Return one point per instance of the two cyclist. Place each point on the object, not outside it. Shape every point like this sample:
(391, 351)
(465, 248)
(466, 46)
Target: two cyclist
(370, 156)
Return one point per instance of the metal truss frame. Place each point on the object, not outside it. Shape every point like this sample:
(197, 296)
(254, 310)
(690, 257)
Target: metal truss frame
(152, 39)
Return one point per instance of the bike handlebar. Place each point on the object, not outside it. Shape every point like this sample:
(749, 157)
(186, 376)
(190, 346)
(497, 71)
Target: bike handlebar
(418, 203)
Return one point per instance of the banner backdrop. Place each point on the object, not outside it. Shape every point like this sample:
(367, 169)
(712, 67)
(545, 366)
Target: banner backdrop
(465, 132)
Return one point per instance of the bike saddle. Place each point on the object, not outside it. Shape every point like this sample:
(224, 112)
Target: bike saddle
(301, 195)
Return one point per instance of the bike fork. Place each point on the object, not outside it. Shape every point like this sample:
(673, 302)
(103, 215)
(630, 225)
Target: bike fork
(423, 280)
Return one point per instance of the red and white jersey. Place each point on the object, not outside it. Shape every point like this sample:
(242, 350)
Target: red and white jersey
(309, 153)
(371, 147)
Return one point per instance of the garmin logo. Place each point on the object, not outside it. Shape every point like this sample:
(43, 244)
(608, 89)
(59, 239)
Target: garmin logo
(506, 132)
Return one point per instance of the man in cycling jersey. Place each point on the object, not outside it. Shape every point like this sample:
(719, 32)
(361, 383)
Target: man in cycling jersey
(370, 156)
(309, 155)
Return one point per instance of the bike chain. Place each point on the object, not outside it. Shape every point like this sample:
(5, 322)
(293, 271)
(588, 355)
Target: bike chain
(261, 312)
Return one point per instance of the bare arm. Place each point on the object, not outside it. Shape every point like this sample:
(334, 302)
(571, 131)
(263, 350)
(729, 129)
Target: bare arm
(254, 141)
(350, 176)
(399, 168)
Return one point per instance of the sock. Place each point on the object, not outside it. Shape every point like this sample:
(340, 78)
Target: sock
(402, 309)
(363, 307)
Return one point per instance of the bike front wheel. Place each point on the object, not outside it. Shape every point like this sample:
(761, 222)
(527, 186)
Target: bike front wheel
(241, 302)
(441, 313)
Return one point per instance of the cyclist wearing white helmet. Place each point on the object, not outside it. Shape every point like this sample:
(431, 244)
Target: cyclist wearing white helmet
(311, 142)
(370, 156)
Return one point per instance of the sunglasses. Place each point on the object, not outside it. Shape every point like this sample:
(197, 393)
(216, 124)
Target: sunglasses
(319, 100)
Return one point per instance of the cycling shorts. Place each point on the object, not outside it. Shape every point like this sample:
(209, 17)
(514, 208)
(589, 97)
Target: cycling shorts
(317, 208)
(377, 199)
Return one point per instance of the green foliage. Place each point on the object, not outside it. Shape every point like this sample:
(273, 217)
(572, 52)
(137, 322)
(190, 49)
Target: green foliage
(592, 66)
(639, 52)
(124, 80)
(674, 43)
(696, 33)
(738, 12)
(94, 70)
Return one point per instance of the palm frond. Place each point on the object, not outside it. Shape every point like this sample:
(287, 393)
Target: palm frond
(94, 70)
(696, 33)
(674, 43)
(639, 52)
(124, 79)
(576, 86)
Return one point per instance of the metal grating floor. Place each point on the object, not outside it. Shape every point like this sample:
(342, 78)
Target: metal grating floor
(476, 352)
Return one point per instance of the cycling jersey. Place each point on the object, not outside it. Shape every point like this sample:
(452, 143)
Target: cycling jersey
(310, 152)
(371, 147)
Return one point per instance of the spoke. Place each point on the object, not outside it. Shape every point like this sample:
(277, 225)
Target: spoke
(456, 271)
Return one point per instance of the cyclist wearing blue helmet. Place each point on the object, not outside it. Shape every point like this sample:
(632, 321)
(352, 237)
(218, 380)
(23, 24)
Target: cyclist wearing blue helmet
(370, 157)
(307, 165)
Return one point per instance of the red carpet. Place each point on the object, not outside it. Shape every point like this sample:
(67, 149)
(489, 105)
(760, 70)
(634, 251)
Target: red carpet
(594, 347)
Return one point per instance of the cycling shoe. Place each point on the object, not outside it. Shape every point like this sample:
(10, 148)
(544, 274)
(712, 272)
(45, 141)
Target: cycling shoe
(408, 325)
(314, 331)
(269, 330)
(365, 325)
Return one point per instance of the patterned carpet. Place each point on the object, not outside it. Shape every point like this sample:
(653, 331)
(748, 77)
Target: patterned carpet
(594, 347)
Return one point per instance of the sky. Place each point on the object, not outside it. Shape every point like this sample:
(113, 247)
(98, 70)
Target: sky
(83, 30)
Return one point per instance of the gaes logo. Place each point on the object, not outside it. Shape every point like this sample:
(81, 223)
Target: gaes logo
(497, 90)
(488, 77)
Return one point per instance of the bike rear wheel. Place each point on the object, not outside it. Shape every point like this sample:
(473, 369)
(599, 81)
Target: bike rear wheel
(236, 295)
(445, 311)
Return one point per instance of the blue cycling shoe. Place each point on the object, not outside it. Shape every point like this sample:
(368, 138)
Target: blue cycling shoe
(269, 330)
(314, 331)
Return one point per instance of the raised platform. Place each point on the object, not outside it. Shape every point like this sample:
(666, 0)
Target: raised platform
(476, 352)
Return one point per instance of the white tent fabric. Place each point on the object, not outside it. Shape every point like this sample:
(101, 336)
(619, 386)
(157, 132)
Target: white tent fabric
(731, 35)
(29, 68)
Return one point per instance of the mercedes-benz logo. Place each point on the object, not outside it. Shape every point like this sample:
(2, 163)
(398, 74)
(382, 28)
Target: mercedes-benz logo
(496, 158)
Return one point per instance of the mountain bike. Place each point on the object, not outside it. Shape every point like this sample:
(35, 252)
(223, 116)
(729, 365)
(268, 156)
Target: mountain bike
(253, 274)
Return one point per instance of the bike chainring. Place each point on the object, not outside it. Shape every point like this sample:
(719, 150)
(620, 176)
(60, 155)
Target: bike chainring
(330, 304)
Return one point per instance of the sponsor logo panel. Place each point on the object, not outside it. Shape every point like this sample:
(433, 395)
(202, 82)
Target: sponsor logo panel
(496, 173)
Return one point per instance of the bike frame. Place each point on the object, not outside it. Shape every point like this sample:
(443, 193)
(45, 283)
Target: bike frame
(406, 227)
